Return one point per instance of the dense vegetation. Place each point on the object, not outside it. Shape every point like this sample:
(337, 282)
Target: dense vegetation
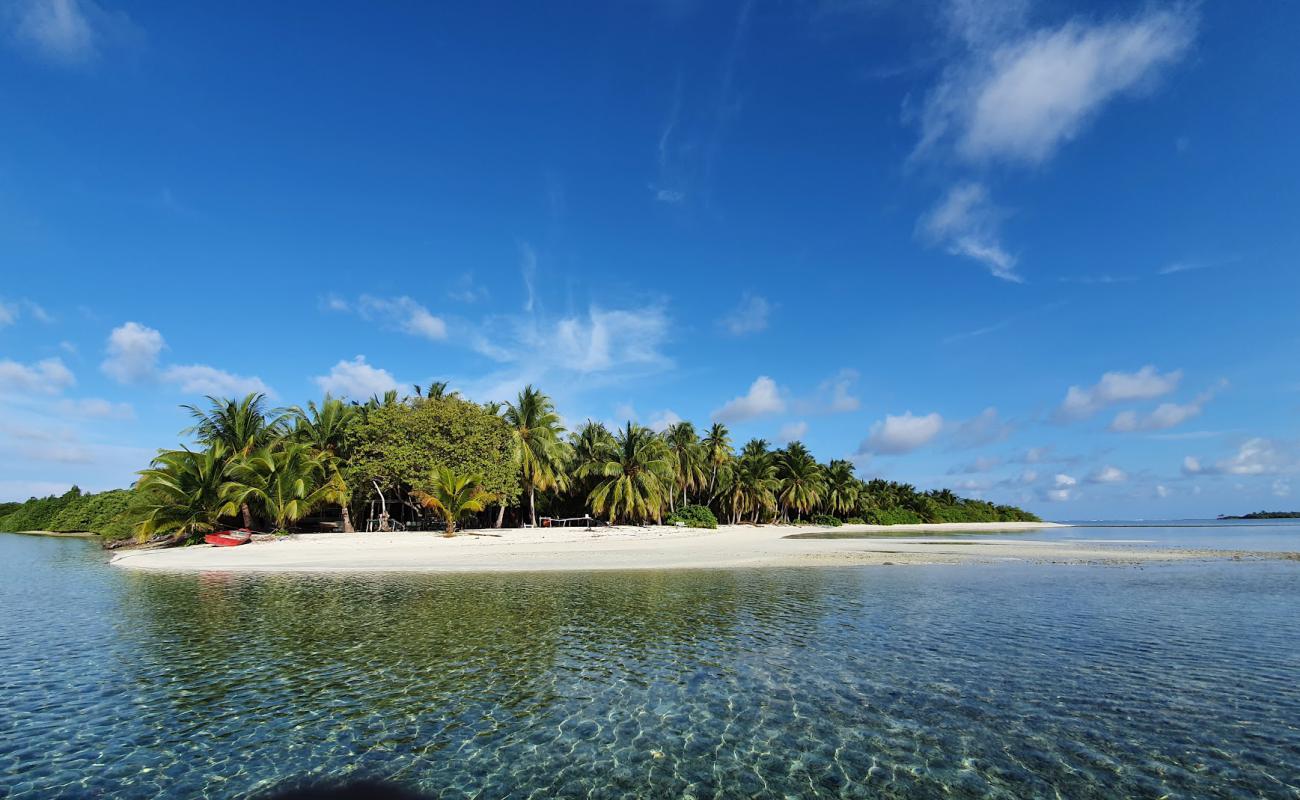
(103, 512)
(437, 460)
(1265, 515)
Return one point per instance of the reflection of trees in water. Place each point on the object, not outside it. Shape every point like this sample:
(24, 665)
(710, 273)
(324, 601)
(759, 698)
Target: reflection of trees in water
(443, 633)
(328, 666)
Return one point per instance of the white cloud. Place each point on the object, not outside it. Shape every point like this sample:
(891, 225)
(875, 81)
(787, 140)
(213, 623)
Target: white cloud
(966, 223)
(1027, 477)
(1108, 474)
(661, 421)
(1162, 491)
(356, 379)
(1281, 488)
(763, 398)
(133, 351)
(1058, 495)
(8, 314)
(986, 427)
(58, 30)
(1062, 480)
(1117, 387)
(1191, 465)
(202, 379)
(95, 408)
(45, 377)
(1166, 415)
(403, 314)
(1258, 456)
(840, 388)
(792, 431)
(748, 317)
(1020, 95)
(902, 434)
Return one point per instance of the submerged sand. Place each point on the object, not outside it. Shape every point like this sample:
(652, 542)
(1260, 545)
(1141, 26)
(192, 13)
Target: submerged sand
(622, 548)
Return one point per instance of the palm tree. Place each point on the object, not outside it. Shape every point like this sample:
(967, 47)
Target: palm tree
(288, 483)
(536, 428)
(753, 486)
(754, 448)
(717, 451)
(687, 457)
(454, 496)
(242, 426)
(801, 479)
(181, 492)
(437, 391)
(841, 494)
(324, 429)
(637, 475)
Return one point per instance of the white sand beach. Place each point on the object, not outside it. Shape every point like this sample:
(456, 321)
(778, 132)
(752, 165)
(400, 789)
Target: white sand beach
(622, 548)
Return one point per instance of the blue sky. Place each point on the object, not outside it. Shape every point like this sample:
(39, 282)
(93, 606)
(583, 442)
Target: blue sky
(1043, 253)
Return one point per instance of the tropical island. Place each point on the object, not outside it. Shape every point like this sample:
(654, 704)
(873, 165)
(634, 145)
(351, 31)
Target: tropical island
(1264, 515)
(437, 461)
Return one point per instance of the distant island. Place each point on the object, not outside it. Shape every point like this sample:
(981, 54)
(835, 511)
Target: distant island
(1264, 515)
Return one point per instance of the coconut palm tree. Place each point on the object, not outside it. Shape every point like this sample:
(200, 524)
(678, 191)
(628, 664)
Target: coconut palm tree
(324, 429)
(542, 454)
(717, 451)
(437, 391)
(753, 486)
(287, 483)
(636, 478)
(454, 496)
(688, 458)
(841, 495)
(241, 425)
(801, 480)
(180, 492)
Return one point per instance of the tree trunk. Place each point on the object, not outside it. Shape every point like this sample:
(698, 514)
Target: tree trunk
(347, 519)
(532, 504)
(451, 526)
(501, 515)
(248, 515)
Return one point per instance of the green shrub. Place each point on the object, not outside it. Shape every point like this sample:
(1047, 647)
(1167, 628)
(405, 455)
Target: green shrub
(693, 517)
(896, 516)
(855, 521)
(826, 520)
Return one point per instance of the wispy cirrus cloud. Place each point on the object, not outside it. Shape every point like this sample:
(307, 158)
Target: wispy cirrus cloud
(966, 223)
(1014, 94)
(67, 33)
(1019, 94)
(749, 316)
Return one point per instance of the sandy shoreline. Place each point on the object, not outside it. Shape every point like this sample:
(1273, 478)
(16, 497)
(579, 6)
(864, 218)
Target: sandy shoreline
(624, 548)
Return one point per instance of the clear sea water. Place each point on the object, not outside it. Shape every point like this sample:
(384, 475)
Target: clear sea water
(1177, 680)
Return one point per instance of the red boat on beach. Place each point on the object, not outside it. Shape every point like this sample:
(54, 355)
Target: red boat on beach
(228, 538)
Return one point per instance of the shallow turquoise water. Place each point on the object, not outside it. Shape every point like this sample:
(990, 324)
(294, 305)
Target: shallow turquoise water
(966, 681)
